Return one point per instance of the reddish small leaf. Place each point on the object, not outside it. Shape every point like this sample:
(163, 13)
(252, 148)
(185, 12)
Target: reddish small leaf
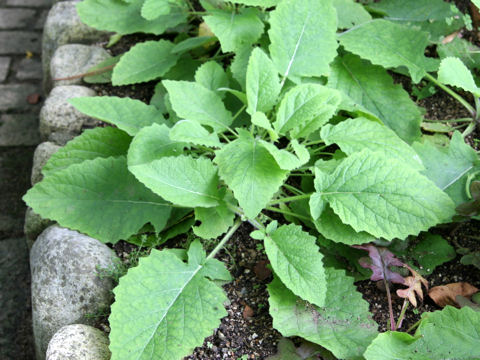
(414, 289)
(380, 260)
(446, 294)
(248, 312)
(261, 270)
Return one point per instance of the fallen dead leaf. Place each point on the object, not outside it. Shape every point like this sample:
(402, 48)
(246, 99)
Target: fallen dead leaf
(248, 312)
(261, 270)
(450, 38)
(446, 294)
(33, 99)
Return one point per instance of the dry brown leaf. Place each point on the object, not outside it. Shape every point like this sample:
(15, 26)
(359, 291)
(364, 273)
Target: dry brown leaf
(261, 270)
(414, 289)
(450, 38)
(248, 312)
(445, 295)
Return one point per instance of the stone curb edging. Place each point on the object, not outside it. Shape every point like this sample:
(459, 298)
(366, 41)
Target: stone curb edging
(64, 263)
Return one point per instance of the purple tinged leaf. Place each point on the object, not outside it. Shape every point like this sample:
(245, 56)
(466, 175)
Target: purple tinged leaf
(379, 261)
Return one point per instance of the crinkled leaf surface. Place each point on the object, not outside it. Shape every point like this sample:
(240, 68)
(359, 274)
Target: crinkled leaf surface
(194, 102)
(350, 13)
(448, 167)
(305, 108)
(250, 171)
(332, 227)
(83, 195)
(263, 3)
(448, 334)
(382, 196)
(453, 72)
(240, 63)
(144, 62)
(263, 85)
(353, 135)
(212, 76)
(302, 35)
(437, 17)
(183, 180)
(191, 43)
(123, 18)
(463, 49)
(128, 114)
(192, 132)
(214, 221)
(164, 308)
(343, 325)
(91, 144)
(152, 9)
(152, 143)
(372, 88)
(390, 45)
(286, 160)
(235, 30)
(297, 261)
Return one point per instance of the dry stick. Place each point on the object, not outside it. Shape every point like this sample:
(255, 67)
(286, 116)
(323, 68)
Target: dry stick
(91, 73)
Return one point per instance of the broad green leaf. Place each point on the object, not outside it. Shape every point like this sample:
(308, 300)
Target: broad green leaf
(191, 43)
(447, 334)
(163, 309)
(353, 135)
(183, 180)
(453, 72)
(240, 63)
(476, 3)
(192, 132)
(381, 195)
(463, 49)
(263, 85)
(296, 260)
(343, 325)
(432, 251)
(152, 143)
(152, 9)
(390, 45)
(158, 98)
(285, 159)
(127, 114)
(437, 17)
(302, 35)
(91, 144)
(263, 3)
(194, 102)
(350, 13)
(83, 196)
(212, 76)
(449, 167)
(371, 87)
(214, 221)
(332, 227)
(250, 171)
(184, 69)
(144, 62)
(235, 30)
(123, 18)
(259, 119)
(305, 108)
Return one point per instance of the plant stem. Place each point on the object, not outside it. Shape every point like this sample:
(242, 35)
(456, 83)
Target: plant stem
(414, 326)
(290, 198)
(390, 307)
(453, 94)
(239, 112)
(469, 129)
(286, 212)
(402, 314)
(314, 142)
(224, 240)
(293, 189)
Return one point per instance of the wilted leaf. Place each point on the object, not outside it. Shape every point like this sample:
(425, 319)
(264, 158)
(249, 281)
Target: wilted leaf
(380, 262)
(414, 284)
(445, 295)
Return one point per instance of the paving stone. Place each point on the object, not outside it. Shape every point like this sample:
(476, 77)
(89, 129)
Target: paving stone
(74, 59)
(78, 342)
(34, 225)
(43, 152)
(4, 66)
(19, 42)
(42, 18)
(16, 18)
(65, 283)
(29, 69)
(14, 298)
(31, 3)
(14, 96)
(19, 130)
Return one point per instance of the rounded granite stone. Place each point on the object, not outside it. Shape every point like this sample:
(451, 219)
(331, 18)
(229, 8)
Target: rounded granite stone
(78, 342)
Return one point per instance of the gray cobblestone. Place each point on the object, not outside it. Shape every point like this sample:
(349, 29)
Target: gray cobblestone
(14, 96)
(19, 130)
(30, 3)
(29, 69)
(19, 42)
(16, 18)
(4, 66)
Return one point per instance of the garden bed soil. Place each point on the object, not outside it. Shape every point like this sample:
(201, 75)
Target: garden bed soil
(247, 333)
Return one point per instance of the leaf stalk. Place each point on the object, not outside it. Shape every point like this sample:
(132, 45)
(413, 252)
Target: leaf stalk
(224, 240)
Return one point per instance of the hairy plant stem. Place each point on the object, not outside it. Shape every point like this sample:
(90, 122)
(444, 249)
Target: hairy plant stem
(224, 240)
(289, 199)
(389, 298)
(286, 212)
(402, 314)
(453, 94)
(293, 189)
(414, 326)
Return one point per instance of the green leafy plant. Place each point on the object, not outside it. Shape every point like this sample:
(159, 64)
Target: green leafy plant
(299, 121)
